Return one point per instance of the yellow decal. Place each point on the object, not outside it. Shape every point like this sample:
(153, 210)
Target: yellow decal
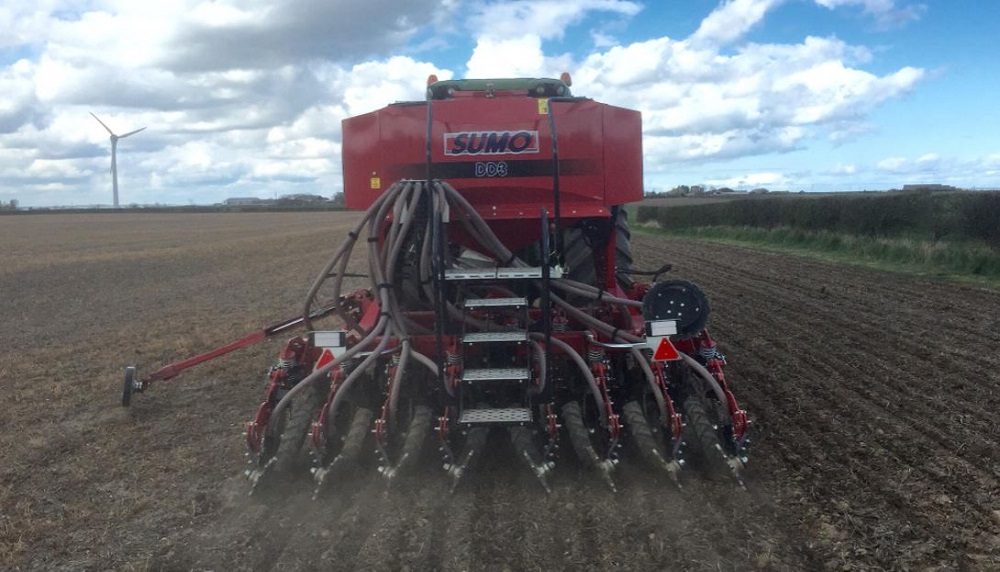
(543, 106)
(376, 183)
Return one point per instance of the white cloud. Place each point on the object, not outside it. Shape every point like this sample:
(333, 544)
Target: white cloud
(840, 169)
(699, 103)
(892, 164)
(885, 12)
(514, 57)
(545, 19)
(19, 105)
(731, 20)
(371, 85)
(750, 181)
(247, 96)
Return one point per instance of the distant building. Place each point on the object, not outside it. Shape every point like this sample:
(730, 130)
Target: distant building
(929, 187)
(303, 198)
(243, 201)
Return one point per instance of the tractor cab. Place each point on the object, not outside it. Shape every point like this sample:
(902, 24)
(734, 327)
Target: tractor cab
(503, 87)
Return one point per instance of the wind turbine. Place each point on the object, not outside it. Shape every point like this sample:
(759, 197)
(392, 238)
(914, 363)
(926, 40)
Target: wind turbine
(114, 154)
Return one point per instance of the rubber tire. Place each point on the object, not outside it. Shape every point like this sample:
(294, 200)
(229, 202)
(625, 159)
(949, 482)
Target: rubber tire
(416, 436)
(623, 249)
(129, 386)
(303, 410)
(650, 448)
(579, 256)
(579, 437)
(699, 432)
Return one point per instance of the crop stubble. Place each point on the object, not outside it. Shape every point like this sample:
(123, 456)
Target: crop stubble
(873, 396)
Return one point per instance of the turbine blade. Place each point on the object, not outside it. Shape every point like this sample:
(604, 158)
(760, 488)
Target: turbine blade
(131, 133)
(102, 124)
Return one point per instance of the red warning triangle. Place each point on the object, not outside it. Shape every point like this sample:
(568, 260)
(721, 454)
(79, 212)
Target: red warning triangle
(325, 358)
(665, 351)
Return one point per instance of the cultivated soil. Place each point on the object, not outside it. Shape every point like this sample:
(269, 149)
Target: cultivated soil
(873, 396)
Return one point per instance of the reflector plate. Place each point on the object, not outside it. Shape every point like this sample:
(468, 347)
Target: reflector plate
(661, 328)
(663, 350)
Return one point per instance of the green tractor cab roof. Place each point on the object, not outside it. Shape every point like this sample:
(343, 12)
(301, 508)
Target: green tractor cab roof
(531, 87)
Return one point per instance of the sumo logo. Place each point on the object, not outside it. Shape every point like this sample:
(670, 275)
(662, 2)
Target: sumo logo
(491, 143)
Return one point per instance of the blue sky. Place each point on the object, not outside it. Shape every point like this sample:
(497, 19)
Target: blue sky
(242, 98)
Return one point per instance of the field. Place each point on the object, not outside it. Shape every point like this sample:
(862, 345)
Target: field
(873, 397)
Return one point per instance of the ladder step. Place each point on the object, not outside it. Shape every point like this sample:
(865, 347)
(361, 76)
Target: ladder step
(527, 272)
(493, 337)
(470, 274)
(519, 273)
(495, 416)
(473, 303)
(497, 374)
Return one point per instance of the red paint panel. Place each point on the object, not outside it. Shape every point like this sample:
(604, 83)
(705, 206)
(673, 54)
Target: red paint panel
(498, 152)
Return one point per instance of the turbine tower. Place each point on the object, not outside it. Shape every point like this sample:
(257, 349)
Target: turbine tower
(114, 154)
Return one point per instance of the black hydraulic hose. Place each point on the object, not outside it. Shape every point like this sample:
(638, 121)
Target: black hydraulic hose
(438, 271)
(710, 379)
(502, 252)
(349, 354)
(397, 380)
(382, 326)
(354, 375)
(341, 255)
(402, 223)
(383, 272)
(557, 213)
(491, 242)
(588, 291)
(426, 361)
(584, 369)
(661, 402)
(450, 308)
(542, 368)
(405, 220)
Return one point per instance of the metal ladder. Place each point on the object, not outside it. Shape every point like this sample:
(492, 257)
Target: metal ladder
(496, 342)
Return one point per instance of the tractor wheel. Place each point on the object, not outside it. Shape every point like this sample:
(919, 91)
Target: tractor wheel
(341, 460)
(129, 386)
(701, 434)
(579, 436)
(416, 436)
(298, 417)
(623, 249)
(339, 430)
(579, 255)
(583, 443)
(650, 444)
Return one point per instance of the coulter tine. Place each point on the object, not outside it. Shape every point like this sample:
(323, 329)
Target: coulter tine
(324, 477)
(736, 467)
(523, 442)
(606, 468)
(474, 443)
(346, 460)
(261, 477)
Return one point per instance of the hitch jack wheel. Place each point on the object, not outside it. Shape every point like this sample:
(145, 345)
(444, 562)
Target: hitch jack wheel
(129, 386)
